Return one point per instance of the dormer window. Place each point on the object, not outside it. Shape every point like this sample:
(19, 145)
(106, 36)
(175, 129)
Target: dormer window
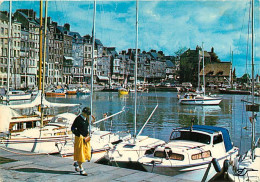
(220, 73)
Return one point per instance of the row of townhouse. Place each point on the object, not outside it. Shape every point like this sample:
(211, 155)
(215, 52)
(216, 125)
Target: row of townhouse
(69, 56)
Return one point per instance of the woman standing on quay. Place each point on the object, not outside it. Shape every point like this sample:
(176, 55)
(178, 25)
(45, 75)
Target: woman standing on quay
(82, 148)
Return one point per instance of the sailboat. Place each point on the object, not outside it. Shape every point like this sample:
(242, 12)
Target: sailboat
(101, 141)
(128, 152)
(247, 167)
(200, 98)
(39, 138)
(14, 95)
(123, 90)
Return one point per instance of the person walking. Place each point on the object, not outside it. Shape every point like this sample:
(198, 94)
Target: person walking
(82, 147)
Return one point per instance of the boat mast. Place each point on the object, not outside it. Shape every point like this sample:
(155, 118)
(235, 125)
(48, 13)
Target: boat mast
(199, 73)
(253, 86)
(44, 59)
(204, 86)
(136, 59)
(40, 49)
(92, 63)
(40, 55)
(9, 52)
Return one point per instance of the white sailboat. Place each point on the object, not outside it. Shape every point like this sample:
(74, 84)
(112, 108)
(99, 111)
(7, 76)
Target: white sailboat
(247, 167)
(199, 98)
(14, 95)
(101, 141)
(195, 153)
(39, 138)
(130, 151)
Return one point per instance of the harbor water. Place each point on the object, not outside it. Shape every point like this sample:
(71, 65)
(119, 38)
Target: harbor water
(231, 114)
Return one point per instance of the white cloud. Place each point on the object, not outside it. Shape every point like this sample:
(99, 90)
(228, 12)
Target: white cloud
(163, 25)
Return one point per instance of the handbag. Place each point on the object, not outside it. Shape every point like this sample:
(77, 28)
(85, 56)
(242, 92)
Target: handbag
(86, 139)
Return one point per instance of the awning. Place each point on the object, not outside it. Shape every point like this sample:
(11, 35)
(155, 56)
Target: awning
(103, 78)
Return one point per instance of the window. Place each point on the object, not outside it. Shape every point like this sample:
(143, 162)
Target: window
(201, 155)
(190, 136)
(217, 139)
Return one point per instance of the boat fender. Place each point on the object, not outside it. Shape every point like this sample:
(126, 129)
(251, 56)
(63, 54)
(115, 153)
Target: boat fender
(216, 165)
(225, 165)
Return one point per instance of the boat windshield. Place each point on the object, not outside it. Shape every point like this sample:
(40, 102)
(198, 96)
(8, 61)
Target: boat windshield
(190, 136)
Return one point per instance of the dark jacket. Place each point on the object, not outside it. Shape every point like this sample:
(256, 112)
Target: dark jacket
(80, 126)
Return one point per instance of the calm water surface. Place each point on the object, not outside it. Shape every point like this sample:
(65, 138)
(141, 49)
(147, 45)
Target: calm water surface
(231, 114)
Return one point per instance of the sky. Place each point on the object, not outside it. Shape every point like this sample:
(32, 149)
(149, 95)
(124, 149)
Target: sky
(166, 25)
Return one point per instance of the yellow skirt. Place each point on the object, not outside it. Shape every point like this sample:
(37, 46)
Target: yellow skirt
(82, 150)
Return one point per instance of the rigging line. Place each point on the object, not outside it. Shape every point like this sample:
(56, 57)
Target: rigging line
(123, 109)
(241, 131)
(147, 120)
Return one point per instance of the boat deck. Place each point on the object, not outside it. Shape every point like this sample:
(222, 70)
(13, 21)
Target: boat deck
(28, 167)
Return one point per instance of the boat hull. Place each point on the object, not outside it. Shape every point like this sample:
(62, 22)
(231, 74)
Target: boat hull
(45, 145)
(237, 92)
(53, 94)
(200, 101)
(71, 92)
(244, 168)
(123, 92)
(197, 172)
(17, 97)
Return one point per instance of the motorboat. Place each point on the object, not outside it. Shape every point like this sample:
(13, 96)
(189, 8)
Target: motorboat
(71, 91)
(56, 93)
(198, 153)
(123, 91)
(83, 91)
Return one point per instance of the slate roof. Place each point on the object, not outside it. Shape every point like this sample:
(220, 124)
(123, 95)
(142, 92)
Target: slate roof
(98, 42)
(154, 55)
(169, 64)
(3, 16)
(29, 19)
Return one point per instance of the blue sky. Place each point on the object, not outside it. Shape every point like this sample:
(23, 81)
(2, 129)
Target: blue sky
(163, 25)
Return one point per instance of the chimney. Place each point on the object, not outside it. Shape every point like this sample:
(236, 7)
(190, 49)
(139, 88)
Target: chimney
(5, 13)
(55, 24)
(160, 52)
(129, 51)
(67, 26)
(212, 49)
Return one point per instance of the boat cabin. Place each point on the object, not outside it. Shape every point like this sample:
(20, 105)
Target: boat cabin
(197, 142)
